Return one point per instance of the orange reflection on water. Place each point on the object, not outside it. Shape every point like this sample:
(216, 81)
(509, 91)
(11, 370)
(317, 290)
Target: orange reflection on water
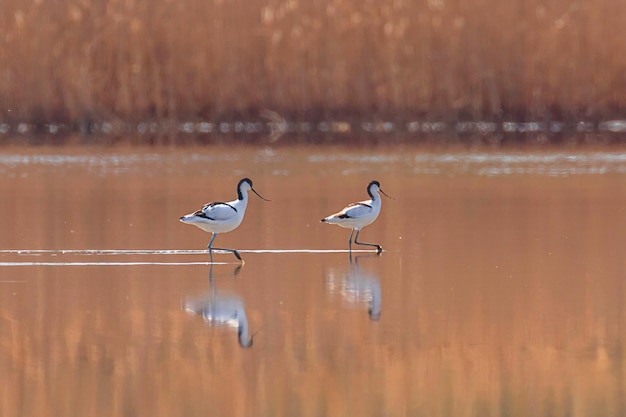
(498, 295)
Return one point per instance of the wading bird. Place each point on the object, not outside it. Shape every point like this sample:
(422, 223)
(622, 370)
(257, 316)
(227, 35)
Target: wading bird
(219, 218)
(355, 216)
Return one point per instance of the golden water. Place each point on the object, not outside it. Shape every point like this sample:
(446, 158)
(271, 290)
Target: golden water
(501, 286)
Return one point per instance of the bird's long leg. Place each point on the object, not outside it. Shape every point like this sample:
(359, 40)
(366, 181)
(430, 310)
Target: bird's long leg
(350, 241)
(210, 246)
(234, 251)
(224, 249)
(379, 248)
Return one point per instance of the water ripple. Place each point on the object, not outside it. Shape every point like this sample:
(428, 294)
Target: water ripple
(416, 162)
(505, 164)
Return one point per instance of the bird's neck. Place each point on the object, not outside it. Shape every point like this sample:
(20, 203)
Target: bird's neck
(242, 201)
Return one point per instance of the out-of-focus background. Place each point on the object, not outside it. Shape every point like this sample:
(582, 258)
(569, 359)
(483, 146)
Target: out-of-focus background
(341, 67)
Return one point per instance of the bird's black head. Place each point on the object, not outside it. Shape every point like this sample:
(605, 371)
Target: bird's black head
(248, 180)
(375, 186)
(245, 185)
(371, 187)
(241, 187)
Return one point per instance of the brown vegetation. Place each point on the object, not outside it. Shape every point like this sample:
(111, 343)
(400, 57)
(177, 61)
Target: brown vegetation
(79, 60)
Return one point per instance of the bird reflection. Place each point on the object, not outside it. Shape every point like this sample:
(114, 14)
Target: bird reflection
(220, 308)
(357, 286)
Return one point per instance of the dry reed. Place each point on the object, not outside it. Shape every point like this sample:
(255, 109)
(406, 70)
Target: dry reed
(81, 60)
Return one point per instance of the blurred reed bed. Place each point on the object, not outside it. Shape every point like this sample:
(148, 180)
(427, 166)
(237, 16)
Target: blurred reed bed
(81, 60)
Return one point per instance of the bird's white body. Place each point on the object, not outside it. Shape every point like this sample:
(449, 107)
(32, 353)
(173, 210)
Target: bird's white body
(222, 217)
(218, 217)
(355, 216)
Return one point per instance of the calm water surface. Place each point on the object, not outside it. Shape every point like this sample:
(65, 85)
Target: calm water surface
(500, 292)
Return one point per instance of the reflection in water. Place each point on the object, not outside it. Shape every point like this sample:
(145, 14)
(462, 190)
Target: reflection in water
(357, 286)
(221, 309)
(505, 297)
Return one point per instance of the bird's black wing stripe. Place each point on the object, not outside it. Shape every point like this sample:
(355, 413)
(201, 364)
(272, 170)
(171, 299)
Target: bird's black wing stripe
(346, 216)
(206, 206)
(202, 214)
(360, 204)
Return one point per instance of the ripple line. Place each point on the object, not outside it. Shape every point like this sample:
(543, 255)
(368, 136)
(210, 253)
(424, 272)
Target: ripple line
(98, 252)
(8, 264)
